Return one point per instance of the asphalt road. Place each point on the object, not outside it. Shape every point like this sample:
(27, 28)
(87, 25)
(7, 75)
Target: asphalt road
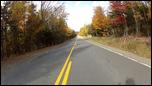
(91, 65)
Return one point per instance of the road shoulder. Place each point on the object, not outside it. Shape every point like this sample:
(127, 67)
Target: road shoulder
(12, 61)
(128, 55)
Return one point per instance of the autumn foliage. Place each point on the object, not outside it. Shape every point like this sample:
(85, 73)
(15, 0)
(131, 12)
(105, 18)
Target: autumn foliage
(123, 18)
(100, 22)
(25, 29)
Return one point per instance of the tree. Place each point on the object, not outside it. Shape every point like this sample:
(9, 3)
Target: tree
(70, 33)
(83, 31)
(87, 30)
(118, 15)
(132, 16)
(140, 15)
(5, 15)
(100, 22)
(24, 29)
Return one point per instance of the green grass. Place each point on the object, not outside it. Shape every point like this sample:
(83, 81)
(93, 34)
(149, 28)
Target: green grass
(131, 44)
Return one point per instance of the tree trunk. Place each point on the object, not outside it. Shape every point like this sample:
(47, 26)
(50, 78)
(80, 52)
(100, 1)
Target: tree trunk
(136, 23)
(126, 27)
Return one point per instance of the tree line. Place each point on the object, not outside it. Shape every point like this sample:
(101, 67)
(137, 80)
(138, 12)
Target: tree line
(24, 29)
(123, 19)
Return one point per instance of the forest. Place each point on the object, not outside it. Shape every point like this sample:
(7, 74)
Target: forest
(123, 19)
(127, 26)
(24, 29)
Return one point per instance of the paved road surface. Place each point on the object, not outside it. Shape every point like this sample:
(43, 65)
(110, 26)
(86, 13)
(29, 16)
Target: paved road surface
(90, 65)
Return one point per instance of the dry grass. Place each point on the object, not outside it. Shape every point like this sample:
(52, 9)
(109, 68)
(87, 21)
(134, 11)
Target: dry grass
(139, 46)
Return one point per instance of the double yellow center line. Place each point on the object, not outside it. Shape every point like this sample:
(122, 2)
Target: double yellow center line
(69, 62)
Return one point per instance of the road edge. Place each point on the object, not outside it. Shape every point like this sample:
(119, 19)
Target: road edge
(128, 55)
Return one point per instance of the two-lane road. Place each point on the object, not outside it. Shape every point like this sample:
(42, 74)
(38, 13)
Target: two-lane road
(90, 64)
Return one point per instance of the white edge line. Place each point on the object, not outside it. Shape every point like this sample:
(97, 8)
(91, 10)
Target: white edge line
(121, 55)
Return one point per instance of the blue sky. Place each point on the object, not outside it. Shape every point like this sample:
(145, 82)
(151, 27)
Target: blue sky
(80, 12)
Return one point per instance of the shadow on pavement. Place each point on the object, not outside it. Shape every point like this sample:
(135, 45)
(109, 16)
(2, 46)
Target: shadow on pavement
(130, 81)
(80, 49)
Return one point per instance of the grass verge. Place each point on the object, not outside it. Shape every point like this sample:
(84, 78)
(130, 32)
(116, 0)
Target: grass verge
(134, 45)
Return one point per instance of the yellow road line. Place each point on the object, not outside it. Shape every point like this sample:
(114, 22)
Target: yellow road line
(61, 73)
(63, 68)
(65, 79)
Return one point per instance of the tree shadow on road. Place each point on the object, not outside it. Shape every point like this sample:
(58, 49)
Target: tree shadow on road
(130, 81)
(80, 49)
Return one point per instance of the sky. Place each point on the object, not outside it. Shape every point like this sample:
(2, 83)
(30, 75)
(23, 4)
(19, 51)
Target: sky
(80, 12)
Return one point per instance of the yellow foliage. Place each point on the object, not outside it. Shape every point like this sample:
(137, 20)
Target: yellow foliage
(83, 31)
(99, 20)
(69, 31)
